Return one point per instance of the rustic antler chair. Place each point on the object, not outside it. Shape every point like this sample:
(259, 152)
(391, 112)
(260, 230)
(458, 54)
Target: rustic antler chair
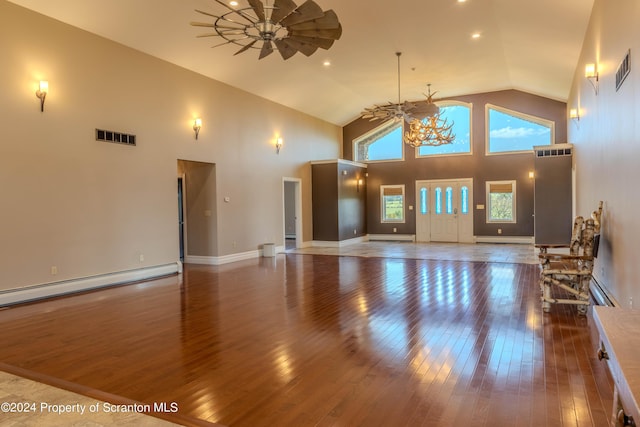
(572, 272)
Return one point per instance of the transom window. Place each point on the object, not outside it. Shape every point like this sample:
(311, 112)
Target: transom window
(509, 131)
(458, 113)
(382, 143)
(501, 201)
(392, 203)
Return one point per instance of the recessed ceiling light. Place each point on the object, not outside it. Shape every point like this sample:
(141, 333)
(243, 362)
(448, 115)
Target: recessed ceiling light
(461, 1)
(326, 63)
(233, 3)
(475, 35)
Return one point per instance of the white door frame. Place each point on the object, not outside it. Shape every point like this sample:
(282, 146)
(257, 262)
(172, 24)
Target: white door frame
(298, 209)
(183, 177)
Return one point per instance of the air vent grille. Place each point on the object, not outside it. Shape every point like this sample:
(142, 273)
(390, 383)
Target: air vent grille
(623, 70)
(115, 137)
(553, 152)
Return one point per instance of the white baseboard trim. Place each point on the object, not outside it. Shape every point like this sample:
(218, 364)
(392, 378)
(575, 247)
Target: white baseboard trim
(47, 290)
(219, 260)
(393, 237)
(524, 240)
(338, 244)
(226, 259)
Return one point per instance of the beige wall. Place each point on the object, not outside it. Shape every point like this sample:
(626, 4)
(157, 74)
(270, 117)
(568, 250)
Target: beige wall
(607, 140)
(90, 207)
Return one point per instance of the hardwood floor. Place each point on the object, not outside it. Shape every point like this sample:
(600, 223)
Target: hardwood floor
(305, 340)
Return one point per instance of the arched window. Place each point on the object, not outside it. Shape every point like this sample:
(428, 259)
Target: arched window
(459, 114)
(382, 143)
(509, 131)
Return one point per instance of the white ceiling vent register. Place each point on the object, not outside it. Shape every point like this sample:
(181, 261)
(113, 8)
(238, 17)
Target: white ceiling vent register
(623, 70)
(115, 137)
(554, 150)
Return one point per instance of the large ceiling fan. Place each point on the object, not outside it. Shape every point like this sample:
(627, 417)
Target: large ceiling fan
(406, 110)
(291, 28)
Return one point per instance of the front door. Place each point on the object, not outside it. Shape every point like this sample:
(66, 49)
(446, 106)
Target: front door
(444, 213)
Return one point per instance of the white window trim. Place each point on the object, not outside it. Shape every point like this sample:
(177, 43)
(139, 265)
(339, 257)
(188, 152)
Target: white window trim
(539, 120)
(391, 221)
(373, 131)
(488, 202)
(451, 103)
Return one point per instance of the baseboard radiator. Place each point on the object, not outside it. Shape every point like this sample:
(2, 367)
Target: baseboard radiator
(600, 295)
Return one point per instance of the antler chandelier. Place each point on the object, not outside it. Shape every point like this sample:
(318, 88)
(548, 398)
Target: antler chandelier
(407, 111)
(289, 27)
(432, 131)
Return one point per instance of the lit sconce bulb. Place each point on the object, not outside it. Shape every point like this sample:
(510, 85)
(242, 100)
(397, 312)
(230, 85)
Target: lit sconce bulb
(41, 93)
(574, 114)
(591, 73)
(197, 125)
(278, 145)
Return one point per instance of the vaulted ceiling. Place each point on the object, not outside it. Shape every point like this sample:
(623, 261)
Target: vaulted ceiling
(531, 46)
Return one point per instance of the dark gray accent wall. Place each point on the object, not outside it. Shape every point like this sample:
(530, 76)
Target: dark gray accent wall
(339, 200)
(478, 165)
(553, 188)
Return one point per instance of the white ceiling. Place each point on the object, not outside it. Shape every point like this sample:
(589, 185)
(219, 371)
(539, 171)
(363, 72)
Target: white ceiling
(527, 45)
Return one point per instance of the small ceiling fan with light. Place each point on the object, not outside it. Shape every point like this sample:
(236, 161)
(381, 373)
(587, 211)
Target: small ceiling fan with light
(406, 110)
(283, 24)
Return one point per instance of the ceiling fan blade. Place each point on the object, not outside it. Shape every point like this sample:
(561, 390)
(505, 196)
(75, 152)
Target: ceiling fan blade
(308, 11)
(267, 49)
(207, 13)
(285, 49)
(258, 8)
(314, 41)
(246, 47)
(221, 44)
(282, 9)
(202, 24)
(239, 12)
(334, 34)
(328, 21)
(307, 49)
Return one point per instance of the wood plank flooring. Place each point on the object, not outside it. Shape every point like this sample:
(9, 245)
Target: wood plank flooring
(306, 340)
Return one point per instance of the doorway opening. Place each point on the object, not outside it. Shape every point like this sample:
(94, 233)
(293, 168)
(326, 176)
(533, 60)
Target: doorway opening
(181, 224)
(292, 196)
(444, 210)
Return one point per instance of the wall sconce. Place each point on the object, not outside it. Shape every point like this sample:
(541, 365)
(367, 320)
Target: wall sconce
(278, 145)
(591, 73)
(197, 124)
(42, 93)
(358, 184)
(574, 114)
(532, 174)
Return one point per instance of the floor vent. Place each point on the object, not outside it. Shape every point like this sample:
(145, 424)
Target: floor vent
(623, 70)
(115, 137)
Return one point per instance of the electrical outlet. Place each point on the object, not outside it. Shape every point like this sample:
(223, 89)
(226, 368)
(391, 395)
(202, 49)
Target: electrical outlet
(141, 257)
(395, 230)
(499, 230)
(54, 270)
(354, 231)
